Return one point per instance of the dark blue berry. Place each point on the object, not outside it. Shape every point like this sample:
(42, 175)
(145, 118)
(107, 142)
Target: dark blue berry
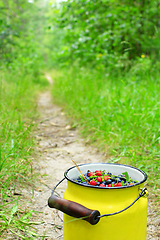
(85, 183)
(118, 179)
(88, 178)
(98, 183)
(109, 174)
(109, 181)
(120, 175)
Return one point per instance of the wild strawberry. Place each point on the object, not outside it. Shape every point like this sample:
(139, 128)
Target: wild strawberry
(106, 178)
(109, 185)
(98, 173)
(90, 174)
(117, 184)
(99, 179)
(102, 185)
(92, 182)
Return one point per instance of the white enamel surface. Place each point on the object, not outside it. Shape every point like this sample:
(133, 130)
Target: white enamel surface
(115, 169)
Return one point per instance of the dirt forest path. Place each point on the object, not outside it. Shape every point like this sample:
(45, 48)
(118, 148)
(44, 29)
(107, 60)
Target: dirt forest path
(58, 143)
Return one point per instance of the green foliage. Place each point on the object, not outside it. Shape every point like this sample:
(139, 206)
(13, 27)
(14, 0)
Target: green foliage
(17, 113)
(120, 115)
(108, 33)
(21, 78)
(17, 222)
(20, 31)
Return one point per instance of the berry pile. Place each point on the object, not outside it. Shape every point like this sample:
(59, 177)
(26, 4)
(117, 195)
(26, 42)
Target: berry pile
(100, 178)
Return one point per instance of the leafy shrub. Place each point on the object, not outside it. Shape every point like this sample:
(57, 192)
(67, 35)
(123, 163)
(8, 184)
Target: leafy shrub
(108, 32)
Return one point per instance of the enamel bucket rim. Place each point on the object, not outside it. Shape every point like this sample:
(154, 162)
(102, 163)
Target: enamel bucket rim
(97, 187)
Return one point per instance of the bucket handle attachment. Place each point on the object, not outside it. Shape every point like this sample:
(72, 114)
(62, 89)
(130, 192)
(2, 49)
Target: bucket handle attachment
(73, 209)
(77, 210)
(141, 194)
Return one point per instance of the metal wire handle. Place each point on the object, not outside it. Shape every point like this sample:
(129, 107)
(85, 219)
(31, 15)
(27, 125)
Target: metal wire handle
(142, 193)
(57, 185)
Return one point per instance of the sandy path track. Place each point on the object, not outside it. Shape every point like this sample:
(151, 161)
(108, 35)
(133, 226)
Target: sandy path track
(58, 143)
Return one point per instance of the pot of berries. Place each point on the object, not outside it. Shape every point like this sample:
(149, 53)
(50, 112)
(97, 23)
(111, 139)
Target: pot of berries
(103, 201)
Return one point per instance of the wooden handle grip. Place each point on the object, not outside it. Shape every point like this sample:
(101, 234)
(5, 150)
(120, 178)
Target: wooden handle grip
(74, 209)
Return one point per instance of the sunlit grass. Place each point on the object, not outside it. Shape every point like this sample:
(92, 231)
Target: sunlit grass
(18, 113)
(118, 114)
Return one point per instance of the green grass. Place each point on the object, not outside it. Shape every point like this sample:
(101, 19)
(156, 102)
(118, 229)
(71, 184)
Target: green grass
(18, 92)
(119, 114)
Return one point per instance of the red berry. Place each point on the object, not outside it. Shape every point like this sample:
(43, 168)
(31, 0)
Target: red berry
(109, 185)
(98, 173)
(101, 185)
(99, 179)
(90, 174)
(92, 182)
(106, 178)
(117, 184)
